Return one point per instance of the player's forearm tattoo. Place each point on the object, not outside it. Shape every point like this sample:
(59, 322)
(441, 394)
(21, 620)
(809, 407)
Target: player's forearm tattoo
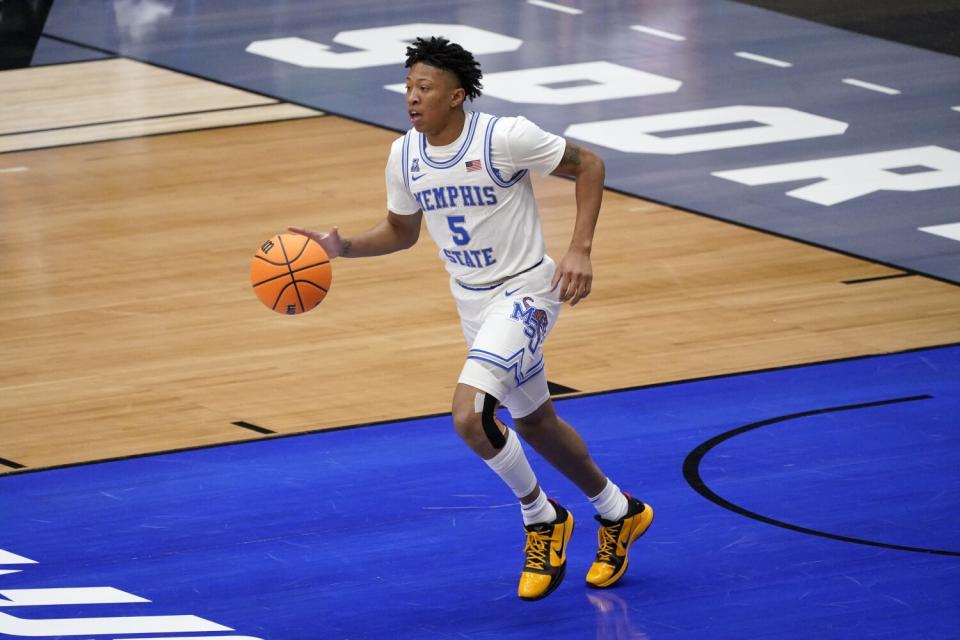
(345, 247)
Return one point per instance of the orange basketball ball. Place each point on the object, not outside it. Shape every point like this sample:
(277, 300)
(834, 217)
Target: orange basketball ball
(290, 273)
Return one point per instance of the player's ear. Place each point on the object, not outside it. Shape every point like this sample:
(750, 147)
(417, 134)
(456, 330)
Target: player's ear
(459, 95)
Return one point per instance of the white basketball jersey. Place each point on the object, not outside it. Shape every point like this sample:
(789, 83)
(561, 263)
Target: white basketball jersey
(476, 194)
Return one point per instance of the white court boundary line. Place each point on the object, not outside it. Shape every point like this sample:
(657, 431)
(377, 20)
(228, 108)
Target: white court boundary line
(764, 59)
(879, 88)
(657, 32)
(555, 7)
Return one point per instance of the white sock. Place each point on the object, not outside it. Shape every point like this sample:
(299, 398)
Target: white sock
(610, 503)
(540, 510)
(512, 466)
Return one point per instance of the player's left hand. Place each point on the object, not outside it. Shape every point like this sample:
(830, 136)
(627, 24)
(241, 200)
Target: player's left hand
(574, 276)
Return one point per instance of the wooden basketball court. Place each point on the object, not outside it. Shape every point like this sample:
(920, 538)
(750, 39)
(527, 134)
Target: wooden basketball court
(133, 198)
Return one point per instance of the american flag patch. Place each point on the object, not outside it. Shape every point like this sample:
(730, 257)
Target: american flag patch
(473, 165)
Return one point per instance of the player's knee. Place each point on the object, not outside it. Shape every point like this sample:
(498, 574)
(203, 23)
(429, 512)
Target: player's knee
(478, 425)
(467, 423)
(465, 420)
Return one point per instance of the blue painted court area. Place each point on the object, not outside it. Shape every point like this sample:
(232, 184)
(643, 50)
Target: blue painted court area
(396, 530)
(50, 51)
(807, 131)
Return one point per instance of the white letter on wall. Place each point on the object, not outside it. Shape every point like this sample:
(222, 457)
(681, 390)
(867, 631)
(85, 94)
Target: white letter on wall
(636, 135)
(848, 177)
(379, 46)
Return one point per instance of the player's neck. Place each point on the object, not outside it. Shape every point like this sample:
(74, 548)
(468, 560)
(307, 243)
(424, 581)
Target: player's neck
(450, 131)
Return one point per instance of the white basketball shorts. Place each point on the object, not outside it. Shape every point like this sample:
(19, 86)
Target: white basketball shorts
(505, 328)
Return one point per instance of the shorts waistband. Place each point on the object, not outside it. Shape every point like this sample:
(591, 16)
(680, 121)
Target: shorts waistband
(494, 285)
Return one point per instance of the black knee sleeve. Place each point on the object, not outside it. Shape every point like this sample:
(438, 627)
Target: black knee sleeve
(492, 426)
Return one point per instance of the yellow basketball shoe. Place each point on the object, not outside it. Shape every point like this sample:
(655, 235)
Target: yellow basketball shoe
(546, 555)
(614, 540)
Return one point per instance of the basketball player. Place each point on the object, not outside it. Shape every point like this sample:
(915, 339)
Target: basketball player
(468, 173)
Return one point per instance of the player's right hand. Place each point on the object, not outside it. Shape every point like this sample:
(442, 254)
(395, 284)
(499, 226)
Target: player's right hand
(330, 241)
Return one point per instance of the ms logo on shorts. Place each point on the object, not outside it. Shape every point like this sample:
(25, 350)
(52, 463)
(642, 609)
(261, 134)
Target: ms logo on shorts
(534, 321)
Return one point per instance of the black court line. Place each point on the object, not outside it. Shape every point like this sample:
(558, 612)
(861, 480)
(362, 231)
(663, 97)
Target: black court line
(107, 55)
(82, 45)
(66, 62)
(691, 473)
(252, 427)
(138, 119)
(874, 279)
(10, 463)
(166, 133)
(426, 416)
(557, 389)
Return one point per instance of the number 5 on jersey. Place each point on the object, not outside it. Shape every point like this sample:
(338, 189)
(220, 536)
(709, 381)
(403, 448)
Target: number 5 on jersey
(460, 235)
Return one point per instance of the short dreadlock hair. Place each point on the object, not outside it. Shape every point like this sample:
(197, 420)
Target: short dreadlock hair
(449, 56)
